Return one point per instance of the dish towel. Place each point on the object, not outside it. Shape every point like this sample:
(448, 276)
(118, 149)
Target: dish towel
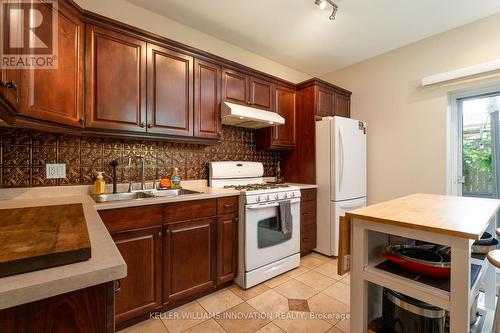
(285, 218)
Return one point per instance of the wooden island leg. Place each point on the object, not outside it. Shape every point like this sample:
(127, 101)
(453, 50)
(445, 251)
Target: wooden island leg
(359, 287)
(460, 285)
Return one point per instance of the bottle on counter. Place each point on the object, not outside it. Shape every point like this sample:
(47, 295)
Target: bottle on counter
(100, 184)
(176, 178)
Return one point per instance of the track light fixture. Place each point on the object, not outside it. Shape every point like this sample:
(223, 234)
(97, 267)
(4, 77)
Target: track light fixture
(322, 5)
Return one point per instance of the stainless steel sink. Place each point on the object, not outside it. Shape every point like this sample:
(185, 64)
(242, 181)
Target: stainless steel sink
(122, 196)
(171, 192)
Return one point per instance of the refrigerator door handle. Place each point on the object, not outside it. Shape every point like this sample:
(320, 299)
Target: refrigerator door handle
(341, 167)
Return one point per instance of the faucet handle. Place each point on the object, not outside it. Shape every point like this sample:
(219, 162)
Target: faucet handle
(156, 184)
(130, 187)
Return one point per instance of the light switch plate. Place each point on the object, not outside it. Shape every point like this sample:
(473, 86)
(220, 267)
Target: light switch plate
(55, 170)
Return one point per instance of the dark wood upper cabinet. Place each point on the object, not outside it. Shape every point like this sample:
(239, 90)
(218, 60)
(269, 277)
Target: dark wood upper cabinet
(342, 105)
(261, 94)
(115, 81)
(140, 291)
(281, 136)
(325, 103)
(207, 99)
(227, 247)
(189, 258)
(10, 87)
(56, 95)
(235, 87)
(170, 92)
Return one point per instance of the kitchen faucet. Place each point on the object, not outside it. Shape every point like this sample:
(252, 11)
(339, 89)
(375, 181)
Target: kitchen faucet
(143, 177)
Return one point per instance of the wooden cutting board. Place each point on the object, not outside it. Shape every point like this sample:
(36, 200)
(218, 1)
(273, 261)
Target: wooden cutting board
(35, 238)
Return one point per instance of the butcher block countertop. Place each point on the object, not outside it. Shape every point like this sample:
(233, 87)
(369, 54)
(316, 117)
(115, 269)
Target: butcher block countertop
(451, 215)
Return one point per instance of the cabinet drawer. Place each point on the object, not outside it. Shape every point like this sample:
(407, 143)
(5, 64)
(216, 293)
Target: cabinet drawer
(307, 238)
(307, 209)
(131, 218)
(227, 205)
(308, 195)
(189, 210)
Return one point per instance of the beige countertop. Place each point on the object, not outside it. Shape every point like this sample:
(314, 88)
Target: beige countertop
(451, 215)
(303, 186)
(106, 263)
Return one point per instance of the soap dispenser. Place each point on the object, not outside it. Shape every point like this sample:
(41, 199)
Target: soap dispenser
(100, 184)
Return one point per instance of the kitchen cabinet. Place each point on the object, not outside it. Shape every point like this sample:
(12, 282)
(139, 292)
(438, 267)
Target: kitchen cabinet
(342, 105)
(281, 136)
(170, 92)
(115, 81)
(247, 90)
(307, 220)
(325, 104)
(227, 247)
(56, 95)
(261, 94)
(10, 86)
(207, 92)
(189, 259)
(140, 291)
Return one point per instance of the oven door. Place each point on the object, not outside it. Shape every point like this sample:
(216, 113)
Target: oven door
(264, 242)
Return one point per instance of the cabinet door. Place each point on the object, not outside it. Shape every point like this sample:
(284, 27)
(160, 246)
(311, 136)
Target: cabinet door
(207, 96)
(235, 87)
(189, 259)
(324, 102)
(115, 81)
(10, 86)
(285, 135)
(56, 95)
(170, 92)
(227, 247)
(140, 291)
(342, 105)
(261, 94)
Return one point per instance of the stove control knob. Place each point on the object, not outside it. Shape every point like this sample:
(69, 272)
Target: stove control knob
(258, 199)
(293, 195)
(286, 195)
(267, 198)
(276, 196)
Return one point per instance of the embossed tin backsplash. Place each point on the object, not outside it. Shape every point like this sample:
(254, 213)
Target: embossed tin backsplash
(25, 152)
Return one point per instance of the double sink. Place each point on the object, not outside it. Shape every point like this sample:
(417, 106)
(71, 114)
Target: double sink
(141, 195)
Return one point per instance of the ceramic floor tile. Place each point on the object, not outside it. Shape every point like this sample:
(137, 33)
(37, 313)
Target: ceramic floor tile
(301, 322)
(346, 280)
(298, 305)
(269, 301)
(270, 328)
(296, 289)
(344, 326)
(148, 326)
(311, 261)
(209, 326)
(321, 257)
(329, 269)
(184, 317)
(219, 301)
(242, 318)
(334, 330)
(249, 293)
(316, 280)
(330, 309)
(280, 279)
(339, 291)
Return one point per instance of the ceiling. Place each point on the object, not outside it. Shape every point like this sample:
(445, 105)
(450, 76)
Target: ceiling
(298, 34)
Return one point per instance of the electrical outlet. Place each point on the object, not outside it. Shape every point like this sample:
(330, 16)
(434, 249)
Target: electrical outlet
(55, 170)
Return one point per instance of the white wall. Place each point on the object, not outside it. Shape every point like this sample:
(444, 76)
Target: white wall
(407, 124)
(136, 16)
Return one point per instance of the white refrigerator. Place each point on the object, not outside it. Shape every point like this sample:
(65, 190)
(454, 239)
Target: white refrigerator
(340, 175)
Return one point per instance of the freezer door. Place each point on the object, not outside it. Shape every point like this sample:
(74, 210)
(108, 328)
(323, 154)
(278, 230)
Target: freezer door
(338, 209)
(348, 164)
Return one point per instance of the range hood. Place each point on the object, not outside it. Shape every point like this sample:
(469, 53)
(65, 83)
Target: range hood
(245, 116)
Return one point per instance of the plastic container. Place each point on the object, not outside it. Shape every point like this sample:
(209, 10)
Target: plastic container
(176, 179)
(100, 184)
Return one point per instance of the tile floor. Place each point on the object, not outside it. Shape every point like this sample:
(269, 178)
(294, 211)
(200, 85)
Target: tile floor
(311, 298)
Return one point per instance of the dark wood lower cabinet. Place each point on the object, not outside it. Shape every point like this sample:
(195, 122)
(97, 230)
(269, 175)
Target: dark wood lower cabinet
(140, 291)
(308, 220)
(227, 247)
(189, 259)
(88, 310)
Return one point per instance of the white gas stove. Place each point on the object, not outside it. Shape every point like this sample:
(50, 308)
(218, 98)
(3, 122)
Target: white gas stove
(266, 248)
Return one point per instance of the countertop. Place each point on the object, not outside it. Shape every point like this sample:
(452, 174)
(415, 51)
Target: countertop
(451, 215)
(106, 263)
(303, 186)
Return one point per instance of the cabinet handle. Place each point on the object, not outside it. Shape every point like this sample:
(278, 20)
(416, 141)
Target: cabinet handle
(228, 205)
(160, 233)
(150, 125)
(143, 124)
(305, 214)
(306, 239)
(118, 286)
(11, 85)
(81, 120)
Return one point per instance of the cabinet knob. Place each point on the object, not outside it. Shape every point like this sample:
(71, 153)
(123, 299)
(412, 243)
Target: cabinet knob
(81, 120)
(150, 125)
(118, 286)
(143, 124)
(11, 85)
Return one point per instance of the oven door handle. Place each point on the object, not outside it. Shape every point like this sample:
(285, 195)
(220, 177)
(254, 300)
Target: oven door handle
(275, 204)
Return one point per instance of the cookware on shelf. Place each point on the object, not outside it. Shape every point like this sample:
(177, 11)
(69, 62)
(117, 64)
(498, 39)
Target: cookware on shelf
(419, 260)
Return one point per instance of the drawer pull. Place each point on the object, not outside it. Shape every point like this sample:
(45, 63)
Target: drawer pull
(118, 286)
(306, 239)
(228, 205)
(305, 214)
